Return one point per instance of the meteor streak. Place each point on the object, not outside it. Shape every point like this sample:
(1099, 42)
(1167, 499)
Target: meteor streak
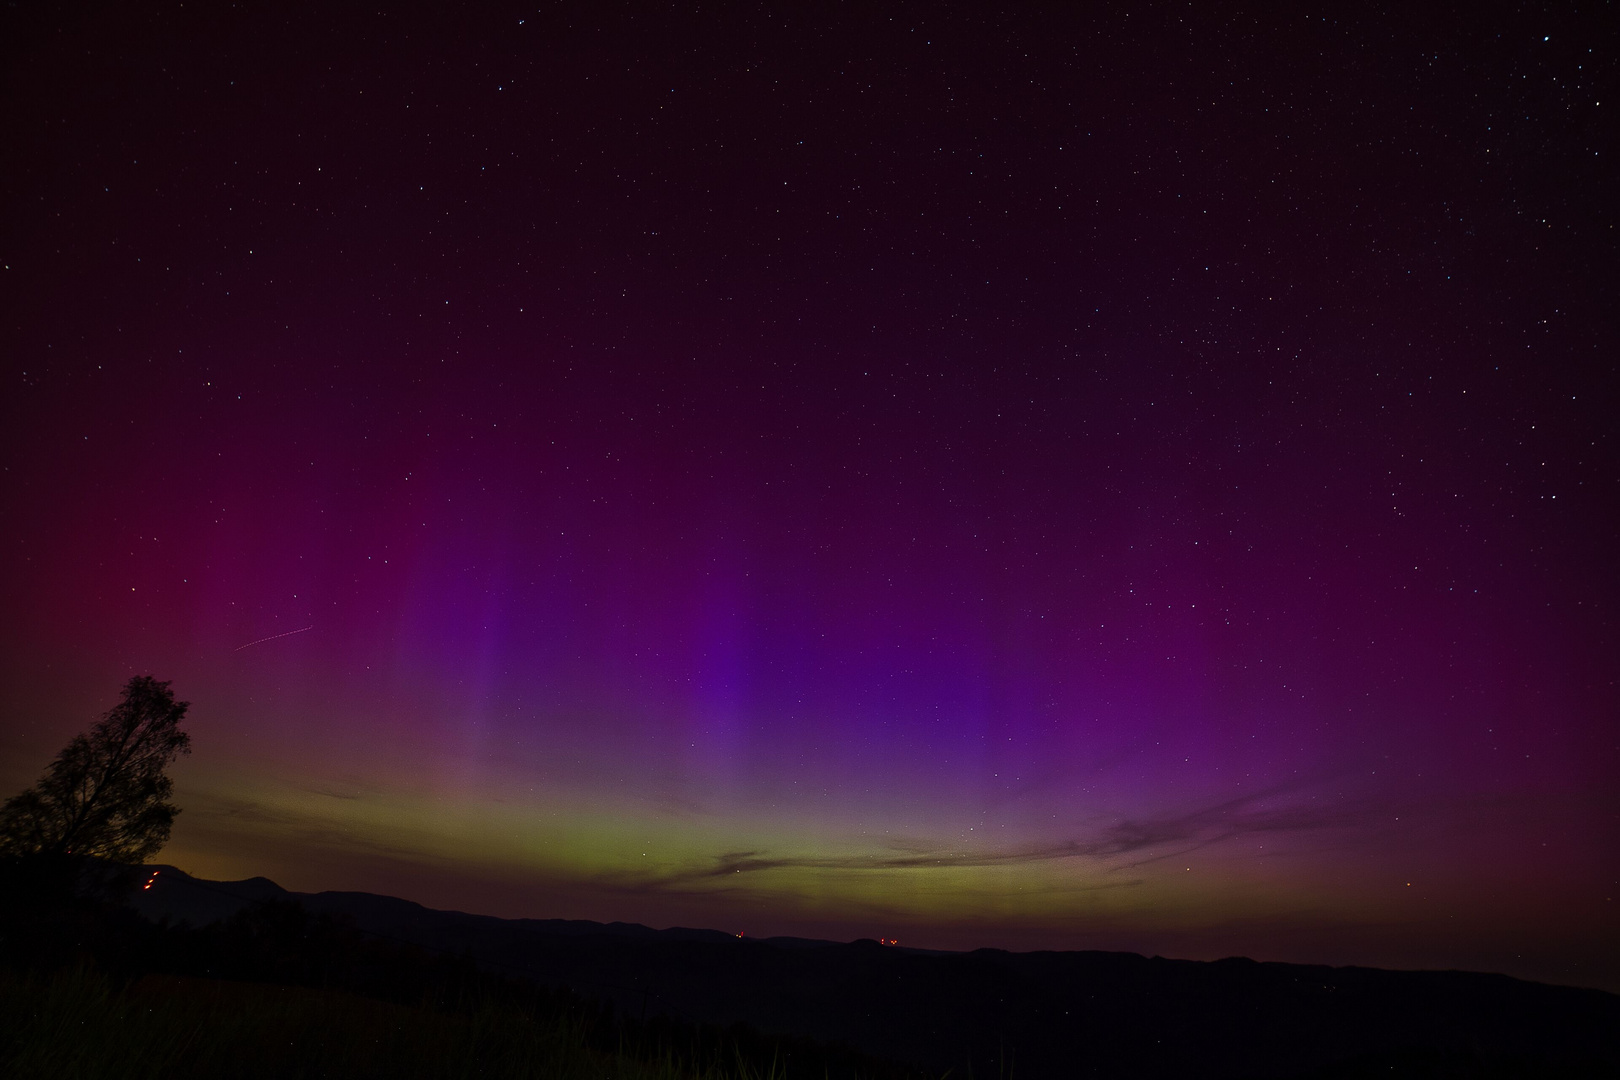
(273, 637)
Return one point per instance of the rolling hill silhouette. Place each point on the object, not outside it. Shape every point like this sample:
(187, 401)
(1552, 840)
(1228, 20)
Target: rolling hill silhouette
(1040, 1014)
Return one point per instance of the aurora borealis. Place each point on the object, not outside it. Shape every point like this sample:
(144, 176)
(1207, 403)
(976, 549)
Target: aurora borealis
(1023, 478)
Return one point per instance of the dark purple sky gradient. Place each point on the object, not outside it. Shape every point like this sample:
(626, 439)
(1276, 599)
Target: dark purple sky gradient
(1036, 478)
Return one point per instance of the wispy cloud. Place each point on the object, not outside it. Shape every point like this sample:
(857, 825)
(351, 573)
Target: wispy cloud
(1152, 838)
(1122, 845)
(240, 819)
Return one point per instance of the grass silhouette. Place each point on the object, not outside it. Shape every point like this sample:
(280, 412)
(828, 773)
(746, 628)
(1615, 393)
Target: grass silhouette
(77, 1022)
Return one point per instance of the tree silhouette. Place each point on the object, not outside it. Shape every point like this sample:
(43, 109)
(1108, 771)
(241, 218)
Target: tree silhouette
(106, 794)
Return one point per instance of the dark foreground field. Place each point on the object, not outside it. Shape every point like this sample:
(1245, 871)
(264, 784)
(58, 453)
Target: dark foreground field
(79, 1023)
(479, 996)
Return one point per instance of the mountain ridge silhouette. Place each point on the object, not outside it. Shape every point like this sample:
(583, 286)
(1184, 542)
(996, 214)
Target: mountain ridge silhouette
(1043, 1014)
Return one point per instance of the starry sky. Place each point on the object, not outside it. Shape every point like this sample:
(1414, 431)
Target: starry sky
(1048, 476)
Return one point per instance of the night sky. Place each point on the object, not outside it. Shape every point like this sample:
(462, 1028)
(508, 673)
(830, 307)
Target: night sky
(1045, 477)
